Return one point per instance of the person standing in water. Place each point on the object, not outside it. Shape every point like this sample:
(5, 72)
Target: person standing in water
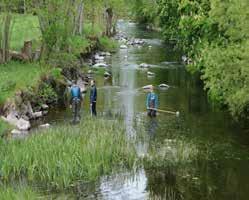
(76, 99)
(93, 98)
(152, 103)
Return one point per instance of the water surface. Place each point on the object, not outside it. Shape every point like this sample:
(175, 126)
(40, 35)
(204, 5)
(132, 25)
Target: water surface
(218, 166)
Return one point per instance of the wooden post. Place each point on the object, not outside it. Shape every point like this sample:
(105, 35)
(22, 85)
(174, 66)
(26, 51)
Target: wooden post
(27, 50)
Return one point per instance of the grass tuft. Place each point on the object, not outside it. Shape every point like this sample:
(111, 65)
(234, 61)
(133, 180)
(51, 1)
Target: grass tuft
(63, 155)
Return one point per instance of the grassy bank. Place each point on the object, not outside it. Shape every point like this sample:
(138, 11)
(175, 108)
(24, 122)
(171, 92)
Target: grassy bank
(62, 155)
(15, 76)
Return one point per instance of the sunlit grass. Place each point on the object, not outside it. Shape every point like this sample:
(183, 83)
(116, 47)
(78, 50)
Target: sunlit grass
(24, 28)
(62, 155)
(16, 76)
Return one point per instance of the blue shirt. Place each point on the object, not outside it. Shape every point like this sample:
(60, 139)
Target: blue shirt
(75, 92)
(152, 100)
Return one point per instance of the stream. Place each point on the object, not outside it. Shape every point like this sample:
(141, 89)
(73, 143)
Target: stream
(219, 165)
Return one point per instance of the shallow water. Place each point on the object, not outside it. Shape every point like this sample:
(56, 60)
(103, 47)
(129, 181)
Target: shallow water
(214, 148)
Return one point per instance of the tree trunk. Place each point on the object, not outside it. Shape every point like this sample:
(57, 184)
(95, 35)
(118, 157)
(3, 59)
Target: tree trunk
(109, 17)
(81, 16)
(27, 49)
(4, 57)
(78, 24)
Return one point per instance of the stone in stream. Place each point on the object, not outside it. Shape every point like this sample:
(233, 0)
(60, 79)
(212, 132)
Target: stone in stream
(123, 47)
(105, 53)
(36, 115)
(100, 65)
(164, 86)
(147, 87)
(44, 107)
(90, 72)
(150, 73)
(144, 65)
(98, 57)
(107, 74)
(47, 125)
(23, 124)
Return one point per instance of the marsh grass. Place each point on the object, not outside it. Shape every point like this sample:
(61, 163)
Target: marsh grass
(63, 155)
(172, 152)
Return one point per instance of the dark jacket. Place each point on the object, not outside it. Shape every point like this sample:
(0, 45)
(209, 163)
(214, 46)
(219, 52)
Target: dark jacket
(93, 94)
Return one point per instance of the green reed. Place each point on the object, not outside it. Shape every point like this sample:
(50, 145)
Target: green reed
(63, 155)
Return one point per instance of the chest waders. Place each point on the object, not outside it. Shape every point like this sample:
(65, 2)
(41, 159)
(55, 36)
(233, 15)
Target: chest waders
(76, 109)
(152, 104)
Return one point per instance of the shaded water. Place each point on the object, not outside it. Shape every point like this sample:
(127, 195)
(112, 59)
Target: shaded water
(212, 160)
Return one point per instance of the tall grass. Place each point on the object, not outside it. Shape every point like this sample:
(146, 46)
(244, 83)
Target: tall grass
(65, 154)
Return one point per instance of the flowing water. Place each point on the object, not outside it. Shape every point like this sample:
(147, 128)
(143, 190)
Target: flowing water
(207, 153)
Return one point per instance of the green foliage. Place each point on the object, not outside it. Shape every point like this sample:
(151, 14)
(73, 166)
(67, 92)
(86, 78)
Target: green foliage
(146, 11)
(47, 94)
(65, 154)
(56, 73)
(215, 35)
(107, 44)
(79, 45)
(62, 60)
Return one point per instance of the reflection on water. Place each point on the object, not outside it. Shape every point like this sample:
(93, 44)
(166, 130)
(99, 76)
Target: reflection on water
(221, 172)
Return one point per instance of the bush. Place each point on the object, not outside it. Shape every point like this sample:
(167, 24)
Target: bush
(62, 60)
(47, 94)
(79, 45)
(107, 44)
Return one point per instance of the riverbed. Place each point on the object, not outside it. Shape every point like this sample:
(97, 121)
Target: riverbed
(216, 149)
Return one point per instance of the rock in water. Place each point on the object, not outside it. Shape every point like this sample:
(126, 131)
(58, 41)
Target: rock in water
(100, 65)
(123, 47)
(146, 87)
(107, 74)
(36, 115)
(23, 125)
(150, 74)
(44, 107)
(144, 65)
(47, 125)
(97, 57)
(163, 85)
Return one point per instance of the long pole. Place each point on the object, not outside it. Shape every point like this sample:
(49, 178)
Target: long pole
(166, 111)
